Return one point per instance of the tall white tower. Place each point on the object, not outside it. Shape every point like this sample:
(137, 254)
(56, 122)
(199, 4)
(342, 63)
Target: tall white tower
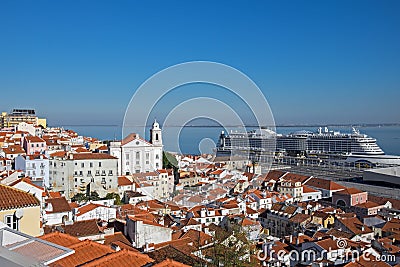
(155, 134)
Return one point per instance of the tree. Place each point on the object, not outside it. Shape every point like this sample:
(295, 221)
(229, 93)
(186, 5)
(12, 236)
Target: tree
(93, 196)
(79, 197)
(169, 161)
(231, 248)
(114, 196)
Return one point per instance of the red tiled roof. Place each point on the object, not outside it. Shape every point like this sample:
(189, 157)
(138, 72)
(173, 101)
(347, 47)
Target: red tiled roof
(199, 238)
(295, 177)
(132, 137)
(59, 204)
(350, 191)
(123, 181)
(82, 228)
(368, 205)
(274, 175)
(122, 258)
(324, 184)
(85, 252)
(12, 198)
(13, 149)
(34, 139)
(307, 189)
(88, 207)
(61, 239)
(84, 156)
(170, 263)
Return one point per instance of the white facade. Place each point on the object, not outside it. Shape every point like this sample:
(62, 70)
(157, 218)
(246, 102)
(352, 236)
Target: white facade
(95, 211)
(136, 154)
(158, 184)
(143, 233)
(34, 166)
(77, 173)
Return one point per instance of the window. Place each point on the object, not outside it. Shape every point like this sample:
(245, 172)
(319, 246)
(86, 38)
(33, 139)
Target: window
(99, 163)
(82, 165)
(110, 173)
(103, 180)
(89, 172)
(157, 157)
(91, 164)
(137, 155)
(127, 156)
(12, 222)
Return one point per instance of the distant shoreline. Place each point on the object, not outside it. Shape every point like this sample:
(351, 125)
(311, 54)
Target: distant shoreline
(218, 126)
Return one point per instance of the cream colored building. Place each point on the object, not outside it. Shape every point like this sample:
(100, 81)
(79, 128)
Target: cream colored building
(20, 210)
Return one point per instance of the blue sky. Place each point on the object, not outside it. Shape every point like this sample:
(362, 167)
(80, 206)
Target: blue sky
(79, 62)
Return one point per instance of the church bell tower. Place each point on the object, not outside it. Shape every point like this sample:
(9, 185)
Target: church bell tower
(155, 134)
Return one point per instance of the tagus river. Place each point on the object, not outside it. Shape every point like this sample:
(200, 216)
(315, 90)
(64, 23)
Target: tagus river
(190, 138)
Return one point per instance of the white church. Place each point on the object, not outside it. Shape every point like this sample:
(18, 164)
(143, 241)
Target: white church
(136, 154)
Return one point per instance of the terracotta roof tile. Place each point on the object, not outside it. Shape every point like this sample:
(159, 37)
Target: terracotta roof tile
(178, 254)
(122, 181)
(12, 198)
(78, 229)
(84, 156)
(349, 191)
(121, 259)
(85, 252)
(34, 139)
(324, 184)
(59, 204)
(170, 263)
(61, 239)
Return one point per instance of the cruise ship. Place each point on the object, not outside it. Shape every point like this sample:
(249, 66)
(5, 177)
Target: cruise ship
(351, 147)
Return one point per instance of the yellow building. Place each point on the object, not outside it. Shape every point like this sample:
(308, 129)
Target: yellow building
(325, 219)
(20, 115)
(20, 210)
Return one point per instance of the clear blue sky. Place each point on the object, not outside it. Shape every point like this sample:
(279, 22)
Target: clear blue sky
(79, 62)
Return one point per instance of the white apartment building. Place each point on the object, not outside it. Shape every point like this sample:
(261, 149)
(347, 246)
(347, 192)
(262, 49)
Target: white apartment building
(35, 166)
(72, 173)
(136, 155)
(158, 184)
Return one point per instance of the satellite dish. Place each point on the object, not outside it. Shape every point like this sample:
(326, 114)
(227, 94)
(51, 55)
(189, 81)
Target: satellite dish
(19, 213)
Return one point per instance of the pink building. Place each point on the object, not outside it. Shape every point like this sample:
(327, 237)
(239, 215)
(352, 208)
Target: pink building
(349, 197)
(34, 144)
